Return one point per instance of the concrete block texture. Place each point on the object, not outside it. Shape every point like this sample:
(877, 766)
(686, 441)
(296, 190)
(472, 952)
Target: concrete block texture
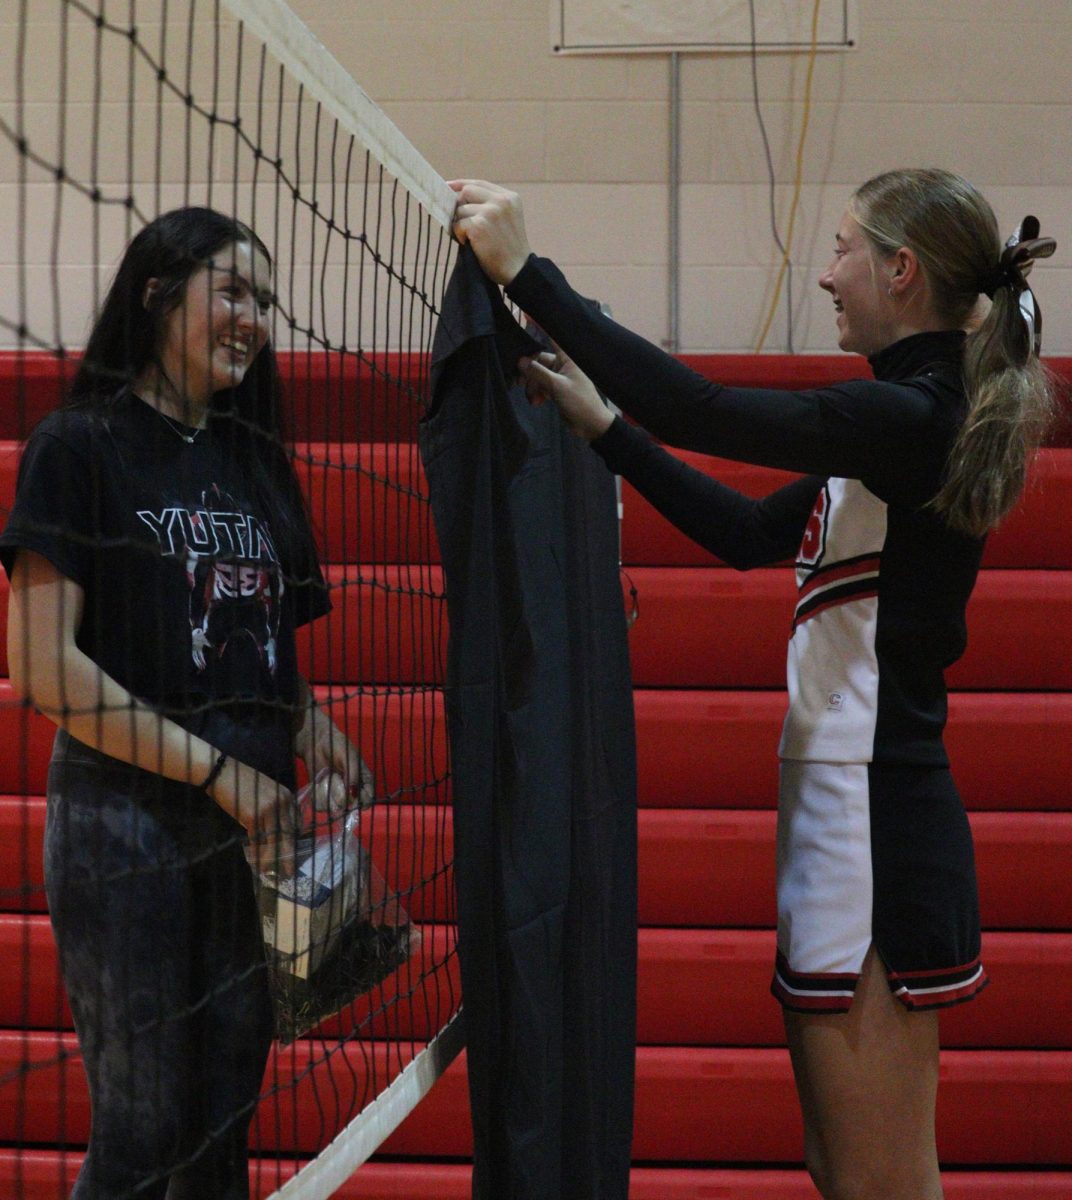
(475, 86)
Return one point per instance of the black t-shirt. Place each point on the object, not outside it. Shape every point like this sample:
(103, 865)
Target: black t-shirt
(186, 602)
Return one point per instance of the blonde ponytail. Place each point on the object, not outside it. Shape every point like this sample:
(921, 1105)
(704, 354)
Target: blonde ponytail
(1010, 405)
(954, 233)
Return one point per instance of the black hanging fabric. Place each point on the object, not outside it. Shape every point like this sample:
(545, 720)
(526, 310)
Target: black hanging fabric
(539, 703)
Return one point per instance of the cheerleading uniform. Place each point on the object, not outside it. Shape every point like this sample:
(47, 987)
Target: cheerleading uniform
(187, 605)
(873, 843)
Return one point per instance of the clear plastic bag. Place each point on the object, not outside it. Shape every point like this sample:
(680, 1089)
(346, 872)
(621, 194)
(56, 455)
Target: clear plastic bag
(332, 930)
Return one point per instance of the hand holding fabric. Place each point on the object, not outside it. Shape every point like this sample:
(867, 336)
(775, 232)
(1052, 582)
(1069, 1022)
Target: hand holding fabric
(490, 219)
(558, 378)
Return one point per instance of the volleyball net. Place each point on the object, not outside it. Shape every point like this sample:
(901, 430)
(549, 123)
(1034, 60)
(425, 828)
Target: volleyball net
(112, 113)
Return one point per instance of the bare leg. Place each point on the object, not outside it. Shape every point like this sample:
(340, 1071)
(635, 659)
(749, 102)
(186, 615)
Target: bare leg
(867, 1082)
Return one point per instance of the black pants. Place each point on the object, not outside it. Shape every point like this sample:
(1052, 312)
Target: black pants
(152, 908)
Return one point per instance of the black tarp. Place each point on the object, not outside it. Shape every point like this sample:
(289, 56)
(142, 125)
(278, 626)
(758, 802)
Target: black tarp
(539, 704)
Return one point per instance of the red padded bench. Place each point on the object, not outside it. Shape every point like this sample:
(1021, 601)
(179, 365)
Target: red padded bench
(1037, 533)
(714, 629)
(695, 749)
(696, 987)
(328, 397)
(368, 504)
(48, 1175)
(697, 868)
(995, 1106)
(720, 629)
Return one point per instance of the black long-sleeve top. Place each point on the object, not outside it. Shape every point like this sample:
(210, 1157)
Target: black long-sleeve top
(883, 580)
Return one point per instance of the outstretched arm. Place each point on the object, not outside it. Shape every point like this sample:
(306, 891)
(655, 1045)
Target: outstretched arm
(744, 532)
(851, 430)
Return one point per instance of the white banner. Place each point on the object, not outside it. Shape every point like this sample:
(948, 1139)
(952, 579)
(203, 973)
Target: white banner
(651, 26)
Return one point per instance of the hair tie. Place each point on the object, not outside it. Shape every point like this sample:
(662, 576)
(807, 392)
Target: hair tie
(1013, 268)
(214, 774)
(1006, 274)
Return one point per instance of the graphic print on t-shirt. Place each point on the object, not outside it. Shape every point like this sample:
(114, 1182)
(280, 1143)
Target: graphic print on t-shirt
(235, 585)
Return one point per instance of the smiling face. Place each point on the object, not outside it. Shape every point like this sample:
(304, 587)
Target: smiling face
(859, 281)
(221, 324)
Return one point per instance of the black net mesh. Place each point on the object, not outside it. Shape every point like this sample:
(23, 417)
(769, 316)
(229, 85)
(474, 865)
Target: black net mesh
(166, 545)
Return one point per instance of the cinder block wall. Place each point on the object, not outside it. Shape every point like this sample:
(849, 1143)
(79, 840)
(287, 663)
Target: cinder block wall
(984, 87)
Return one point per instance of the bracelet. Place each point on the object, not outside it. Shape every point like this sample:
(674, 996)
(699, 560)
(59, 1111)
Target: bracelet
(214, 774)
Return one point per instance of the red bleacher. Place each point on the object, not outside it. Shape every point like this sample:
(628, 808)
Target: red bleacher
(694, 1103)
(39, 1175)
(714, 1094)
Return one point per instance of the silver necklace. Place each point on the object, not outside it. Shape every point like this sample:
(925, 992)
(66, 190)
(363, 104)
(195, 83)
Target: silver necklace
(175, 427)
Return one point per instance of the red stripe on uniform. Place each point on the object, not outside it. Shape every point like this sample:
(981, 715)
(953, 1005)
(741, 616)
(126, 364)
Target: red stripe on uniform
(818, 579)
(868, 594)
(817, 1002)
(963, 968)
(812, 992)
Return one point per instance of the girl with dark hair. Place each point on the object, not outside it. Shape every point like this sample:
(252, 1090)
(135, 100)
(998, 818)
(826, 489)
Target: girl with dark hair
(878, 922)
(161, 559)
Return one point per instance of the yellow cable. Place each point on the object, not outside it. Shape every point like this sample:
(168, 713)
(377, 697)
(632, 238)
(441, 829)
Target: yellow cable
(798, 180)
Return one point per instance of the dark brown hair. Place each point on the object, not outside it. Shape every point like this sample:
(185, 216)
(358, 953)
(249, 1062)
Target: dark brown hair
(125, 341)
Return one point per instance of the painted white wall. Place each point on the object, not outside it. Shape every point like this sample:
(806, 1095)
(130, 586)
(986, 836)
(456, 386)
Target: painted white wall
(984, 88)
